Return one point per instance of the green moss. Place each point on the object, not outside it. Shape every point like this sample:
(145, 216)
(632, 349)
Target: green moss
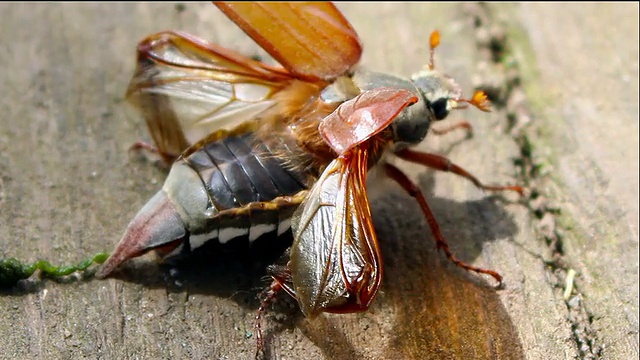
(12, 270)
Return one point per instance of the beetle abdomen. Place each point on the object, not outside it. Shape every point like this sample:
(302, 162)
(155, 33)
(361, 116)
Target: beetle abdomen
(234, 187)
(239, 170)
(241, 174)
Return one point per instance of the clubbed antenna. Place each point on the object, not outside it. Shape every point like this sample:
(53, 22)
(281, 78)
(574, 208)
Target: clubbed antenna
(434, 41)
(479, 100)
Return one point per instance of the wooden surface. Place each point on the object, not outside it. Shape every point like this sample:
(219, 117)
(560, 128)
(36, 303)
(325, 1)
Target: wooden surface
(569, 80)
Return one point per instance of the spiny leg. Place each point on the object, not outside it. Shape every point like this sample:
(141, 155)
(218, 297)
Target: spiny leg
(280, 275)
(413, 190)
(441, 163)
(459, 125)
(167, 158)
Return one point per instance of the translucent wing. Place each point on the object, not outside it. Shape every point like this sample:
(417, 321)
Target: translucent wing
(335, 260)
(312, 40)
(186, 88)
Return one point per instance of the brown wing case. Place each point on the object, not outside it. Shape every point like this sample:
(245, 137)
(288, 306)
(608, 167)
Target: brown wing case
(312, 40)
(364, 116)
(335, 259)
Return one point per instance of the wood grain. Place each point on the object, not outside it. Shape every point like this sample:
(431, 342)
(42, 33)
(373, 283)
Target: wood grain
(68, 188)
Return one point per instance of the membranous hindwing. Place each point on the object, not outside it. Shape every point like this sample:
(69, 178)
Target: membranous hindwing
(334, 264)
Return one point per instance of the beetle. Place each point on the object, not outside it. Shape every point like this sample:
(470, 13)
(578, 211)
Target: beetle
(260, 149)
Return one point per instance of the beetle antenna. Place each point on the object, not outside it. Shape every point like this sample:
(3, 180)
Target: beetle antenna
(479, 100)
(434, 41)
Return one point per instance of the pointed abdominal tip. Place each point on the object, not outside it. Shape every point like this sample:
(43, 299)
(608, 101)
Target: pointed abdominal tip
(156, 225)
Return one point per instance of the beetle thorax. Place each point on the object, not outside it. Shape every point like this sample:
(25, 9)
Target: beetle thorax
(410, 126)
(440, 92)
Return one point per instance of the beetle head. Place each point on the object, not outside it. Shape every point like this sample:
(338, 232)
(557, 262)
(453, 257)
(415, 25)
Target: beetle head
(440, 93)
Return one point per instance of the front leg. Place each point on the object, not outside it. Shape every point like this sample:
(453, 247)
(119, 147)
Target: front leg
(441, 163)
(441, 243)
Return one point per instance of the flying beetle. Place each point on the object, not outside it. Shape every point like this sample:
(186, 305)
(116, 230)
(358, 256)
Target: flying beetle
(260, 149)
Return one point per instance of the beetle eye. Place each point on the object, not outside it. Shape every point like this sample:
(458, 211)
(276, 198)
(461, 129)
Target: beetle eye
(439, 107)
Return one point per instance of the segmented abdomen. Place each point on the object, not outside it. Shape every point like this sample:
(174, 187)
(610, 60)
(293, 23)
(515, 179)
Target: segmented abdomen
(238, 172)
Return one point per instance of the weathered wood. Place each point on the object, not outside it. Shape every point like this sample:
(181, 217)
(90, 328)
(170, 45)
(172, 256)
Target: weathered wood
(582, 84)
(68, 188)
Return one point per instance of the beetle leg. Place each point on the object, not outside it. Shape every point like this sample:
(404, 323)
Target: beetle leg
(413, 190)
(459, 125)
(281, 275)
(441, 163)
(167, 158)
